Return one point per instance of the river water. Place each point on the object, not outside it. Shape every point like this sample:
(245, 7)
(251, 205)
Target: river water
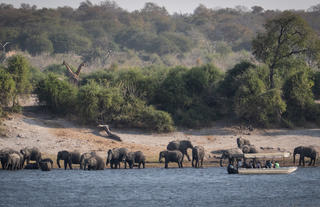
(158, 187)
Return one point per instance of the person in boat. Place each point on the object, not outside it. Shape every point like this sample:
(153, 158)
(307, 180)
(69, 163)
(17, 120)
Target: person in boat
(251, 164)
(239, 163)
(231, 169)
(276, 164)
(258, 165)
(268, 164)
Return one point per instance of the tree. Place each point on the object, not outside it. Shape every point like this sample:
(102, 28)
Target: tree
(7, 88)
(299, 97)
(286, 36)
(19, 69)
(257, 9)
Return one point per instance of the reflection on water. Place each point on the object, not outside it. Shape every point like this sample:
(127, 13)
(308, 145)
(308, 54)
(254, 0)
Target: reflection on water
(158, 187)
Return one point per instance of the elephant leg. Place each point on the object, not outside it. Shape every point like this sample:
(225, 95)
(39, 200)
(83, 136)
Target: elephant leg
(192, 162)
(166, 164)
(303, 161)
(70, 165)
(310, 162)
(143, 164)
(65, 164)
(181, 164)
(300, 161)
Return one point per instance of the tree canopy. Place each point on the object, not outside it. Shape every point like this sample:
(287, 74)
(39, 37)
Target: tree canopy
(286, 36)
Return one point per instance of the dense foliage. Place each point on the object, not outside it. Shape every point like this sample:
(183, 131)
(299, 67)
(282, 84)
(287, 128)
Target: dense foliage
(152, 34)
(161, 98)
(14, 82)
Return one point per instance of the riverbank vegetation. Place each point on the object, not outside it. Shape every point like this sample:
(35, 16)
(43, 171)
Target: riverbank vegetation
(278, 91)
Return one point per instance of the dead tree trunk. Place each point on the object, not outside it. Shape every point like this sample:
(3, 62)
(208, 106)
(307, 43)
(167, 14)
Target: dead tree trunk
(74, 76)
(109, 133)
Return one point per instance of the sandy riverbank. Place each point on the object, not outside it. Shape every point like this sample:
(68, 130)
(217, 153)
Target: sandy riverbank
(51, 134)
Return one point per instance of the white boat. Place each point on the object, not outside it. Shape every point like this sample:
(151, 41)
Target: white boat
(281, 170)
(270, 155)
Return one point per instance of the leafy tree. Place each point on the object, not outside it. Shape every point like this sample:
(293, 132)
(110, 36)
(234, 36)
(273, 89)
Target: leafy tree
(58, 95)
(7, 88)
(298, 94)
(286, 36)
(88, 101)
(38, 44)
(255, 104)
(19, 68)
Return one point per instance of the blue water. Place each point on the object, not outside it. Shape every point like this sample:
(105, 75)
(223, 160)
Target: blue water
(158, 187)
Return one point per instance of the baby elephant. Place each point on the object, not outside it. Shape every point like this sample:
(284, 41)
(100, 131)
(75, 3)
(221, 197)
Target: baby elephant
(197, 156)
(46, 164)
(135, 157)
(171, 156)
(94, 163)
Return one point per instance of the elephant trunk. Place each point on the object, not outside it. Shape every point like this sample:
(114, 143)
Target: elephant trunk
(58, 161)
(108, 159)
(160, 157)
(221, 161)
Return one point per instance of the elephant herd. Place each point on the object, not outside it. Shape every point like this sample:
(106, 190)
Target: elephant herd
(176, 150)
(244, 146)
(13, 160)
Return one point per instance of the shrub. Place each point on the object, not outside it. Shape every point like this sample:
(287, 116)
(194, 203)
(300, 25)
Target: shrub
(19, 68)
(299, 97)
(255, 104)
(7, 88)
(59, 95)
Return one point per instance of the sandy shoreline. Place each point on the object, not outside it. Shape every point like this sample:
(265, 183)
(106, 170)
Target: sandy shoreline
(51, 134)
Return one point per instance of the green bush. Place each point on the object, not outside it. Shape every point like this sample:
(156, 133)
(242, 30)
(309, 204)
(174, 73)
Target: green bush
(135, 113)
(18, 67)
(255, 104)
(58, 95)
(58, 69)
(299, 97)
(7, 88)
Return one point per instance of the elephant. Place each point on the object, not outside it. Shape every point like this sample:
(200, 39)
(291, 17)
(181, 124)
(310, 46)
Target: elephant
(231, 155)
(249, 149)
(197, 156)
(305, 152)
(32, 166)
(94, 163)
(69, 158)
(241, 142)
(4, 156)
(136, 157)
(31, 154)
(14, 161)
(116, 156)
(44, 164)
(171, 156)
(84, 157)
(182, 146)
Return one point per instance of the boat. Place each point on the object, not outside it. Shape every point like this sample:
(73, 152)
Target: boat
(270, 155)
(281, 170)
(263, 156)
